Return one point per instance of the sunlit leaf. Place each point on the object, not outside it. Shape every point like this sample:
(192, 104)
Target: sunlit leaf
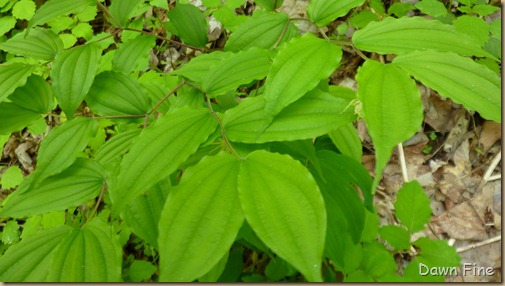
(40, 44)
(412, 206)
(322, 12)
(189, 24)
(198, 68)
(35, 95)
(123, 10)
(269, 4)
(55, 8)
(132, 54)
(347, 140)
(116, 146)
(12, 76)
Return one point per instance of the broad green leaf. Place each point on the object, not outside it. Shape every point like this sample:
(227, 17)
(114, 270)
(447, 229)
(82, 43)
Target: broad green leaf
(347, 140)
(11, 177)
(412, 206)
(141, 270)
(143, 213)
(55, 8)
(35, 95)
(407, 34)
(59, 149)
(116, 147)
(189, 23)
(298, 68)
(396, 236)
(6, 24)
(159, 150)
(377, 260)
(114, 93)
(198, 68)
(123, 10)
(40, 44)
(28, 260)
(392, 109)
(24, 9)
(436, 253)
(322, 12)
(262, 31)
(200, 219)
(237, 69)
(72, 75)
(132, 54)
(76, 185)
(229, 18)
(13, 76)
(433, 8)
(282, 203)
(313, 115)
(216, 271)
(89, 254)
(461, 79)
(14, 118)
(269, 4)
(473, 26)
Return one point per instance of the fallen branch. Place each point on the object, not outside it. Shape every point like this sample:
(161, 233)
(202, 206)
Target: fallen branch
(478, 244)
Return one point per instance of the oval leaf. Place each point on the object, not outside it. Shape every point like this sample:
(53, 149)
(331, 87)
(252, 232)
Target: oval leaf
(133, 53)
(14, 117)
(237, 69)
(55, 8)
(13, 76)
(404, 35)
(114, 93)
(159, 150)
(200, 220)
(190, 24)
(282, 203)
(123, 10)
(456, 77)
(77, 185)
(35, 95)
(198, 68)
(116, 147)
(322, 12)
(41, 44)
(72, 75)
(392, 108)
(412, 206)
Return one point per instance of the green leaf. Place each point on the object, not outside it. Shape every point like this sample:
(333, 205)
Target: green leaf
(228, 17)
(363, 18)
(83, 30)
(10, 232)
(216, 271)
(262, 31)
(55, 8)
(412, 206)
(198, 68)
(143, 213)
(475, 27)
(24, 9)
(35, 95)
(141, 270)
(392, 109)
(59, 149)
(437, 253)
(235, 70)
(160, 149)
(298, 68)
(396, 236)
(77, 185)
(277, 269)
(114, 93)
(13, 76)
(133, 54)
(400, 9)
(433, 8)
(190, 24)
(484, 9)
(347, 140)
(89, 254)
(313, 115)
(28, 260)
(40, 44)
(282, 203)
(322, 12)
(72, 75)
(200, 219)
(269, 4)
(14, 118)
(123, 10)
(407, 34)
(116, 147)
(11, 177)
(461, 79)
(377, 260)
(6, 24)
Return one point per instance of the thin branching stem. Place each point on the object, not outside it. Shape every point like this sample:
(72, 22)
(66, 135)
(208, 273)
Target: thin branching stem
(106, 11)
(95, 209)
(284, 29)
(167, 96)
(323, 34)
(165, 39)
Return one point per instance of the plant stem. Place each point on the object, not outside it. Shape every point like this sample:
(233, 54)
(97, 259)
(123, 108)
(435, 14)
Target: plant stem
(403, 163)
(100, 197)
(167, 96)
(282, 34)
(323, 33)
(106, 11)
(165, 39)
(360, 53)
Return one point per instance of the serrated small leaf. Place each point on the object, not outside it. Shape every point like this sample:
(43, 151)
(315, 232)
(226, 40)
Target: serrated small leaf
(282, 203)
(322, 12)
(28, 260)
(76, 185)
(433, 8)
(12, 76)
(461, 79)
(14, 117)
(24, 9)
(437, 253)
(40, 44)
(160, 149)
(237, 69)
(6, 24)
(123, 10)
(473, 26)
(396, 236)
(133, 53)
(59, 149)
(35, 95)
(89, 254)
(55, 8)
(412, 206)
(313, 115)
(11, 177)
(392, 108)
(115, 147)
(262, 31)
(407, 34)
(72, 75)
(200, 221)
(190, 24)
(114, 93)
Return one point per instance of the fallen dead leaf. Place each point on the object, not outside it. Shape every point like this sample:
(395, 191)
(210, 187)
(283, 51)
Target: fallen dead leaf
(462, 222)
(491, 132)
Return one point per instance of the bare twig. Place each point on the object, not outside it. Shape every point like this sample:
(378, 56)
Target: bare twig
(493, 165)
(478, 244)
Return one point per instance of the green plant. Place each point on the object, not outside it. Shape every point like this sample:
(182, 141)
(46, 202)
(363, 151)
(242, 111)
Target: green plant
(145, 175)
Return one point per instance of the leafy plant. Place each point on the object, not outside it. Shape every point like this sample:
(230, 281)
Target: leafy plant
(244, 149)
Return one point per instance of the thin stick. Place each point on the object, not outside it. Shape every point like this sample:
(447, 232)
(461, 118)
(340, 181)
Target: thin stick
(494, 178)
(403, 163)
(493, 165)
(167, 96)
(478, 244)
(166, 39)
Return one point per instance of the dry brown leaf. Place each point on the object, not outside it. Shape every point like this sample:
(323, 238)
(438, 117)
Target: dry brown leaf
(462, 222)
(438, 113)
(491, 132)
